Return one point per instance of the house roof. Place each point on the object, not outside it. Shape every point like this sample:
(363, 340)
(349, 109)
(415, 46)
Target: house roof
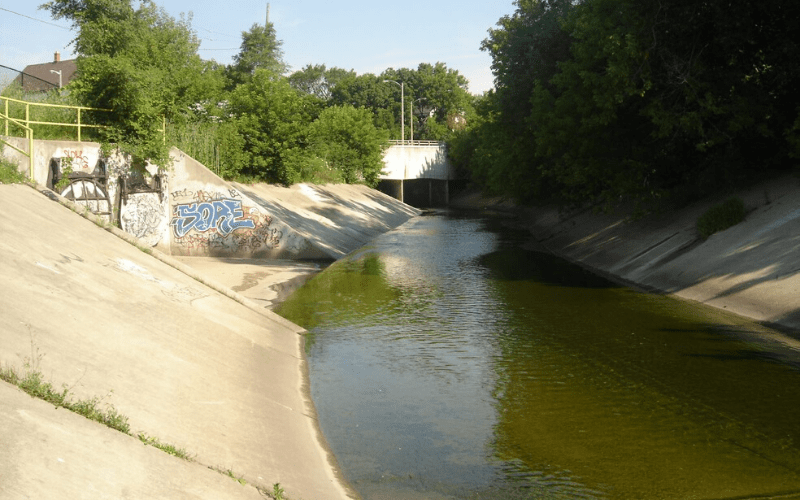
(42, 73)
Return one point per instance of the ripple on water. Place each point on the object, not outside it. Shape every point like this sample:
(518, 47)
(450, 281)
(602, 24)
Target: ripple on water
(447, 363)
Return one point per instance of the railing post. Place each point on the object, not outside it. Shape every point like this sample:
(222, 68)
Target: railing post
(7, 117)
(30, 152)
(79, 124)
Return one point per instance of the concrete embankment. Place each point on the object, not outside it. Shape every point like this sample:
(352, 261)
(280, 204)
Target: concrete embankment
(190, 362)
(751, 269)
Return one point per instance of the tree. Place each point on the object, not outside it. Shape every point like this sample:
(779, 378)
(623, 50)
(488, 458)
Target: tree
(345, 138)
(260, 49)
(602, 100)
(318, 80)
(273, 121)
(140, 63)
(499, 147)
(368, 91)
(439, 91)
(526, 48)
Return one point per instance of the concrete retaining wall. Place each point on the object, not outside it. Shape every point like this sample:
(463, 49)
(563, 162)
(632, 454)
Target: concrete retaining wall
(190, 211)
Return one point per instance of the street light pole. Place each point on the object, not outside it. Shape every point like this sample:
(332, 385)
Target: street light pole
(402, 107)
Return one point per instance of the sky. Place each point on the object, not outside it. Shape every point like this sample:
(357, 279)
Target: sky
(349, 34)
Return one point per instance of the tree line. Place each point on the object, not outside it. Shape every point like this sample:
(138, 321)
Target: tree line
(250, 120)
(605, 100)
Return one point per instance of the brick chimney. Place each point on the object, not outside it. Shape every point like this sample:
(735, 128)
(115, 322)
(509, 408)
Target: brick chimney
(57, 57)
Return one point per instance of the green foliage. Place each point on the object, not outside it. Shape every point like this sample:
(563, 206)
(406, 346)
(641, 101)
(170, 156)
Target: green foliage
(260, 49)
(602, 100)
(33, 384)
(9, 173)
(277, 492)
(345, 138)
(140, 63)
(721, 217)
(246, 121)
(166, 448)
(317, 80)
(369, 92)
(273, 120)
(47, 107)
(428, 89)
(64, 181)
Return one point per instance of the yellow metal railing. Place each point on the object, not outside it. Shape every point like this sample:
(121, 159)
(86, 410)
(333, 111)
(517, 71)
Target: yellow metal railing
(26, 122)
(28, 136)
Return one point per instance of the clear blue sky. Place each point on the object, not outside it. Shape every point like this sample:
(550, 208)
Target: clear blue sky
(365, 36)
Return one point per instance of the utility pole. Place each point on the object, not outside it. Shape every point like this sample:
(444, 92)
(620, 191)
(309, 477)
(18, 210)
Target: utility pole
(267, 24)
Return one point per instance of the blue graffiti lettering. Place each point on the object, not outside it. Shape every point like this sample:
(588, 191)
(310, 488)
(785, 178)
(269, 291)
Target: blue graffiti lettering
(223, 215)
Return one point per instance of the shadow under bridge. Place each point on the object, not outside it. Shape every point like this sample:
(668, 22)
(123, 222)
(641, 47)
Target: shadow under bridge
(417, 173)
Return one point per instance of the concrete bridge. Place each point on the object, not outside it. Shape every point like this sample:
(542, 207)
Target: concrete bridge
(417, 173)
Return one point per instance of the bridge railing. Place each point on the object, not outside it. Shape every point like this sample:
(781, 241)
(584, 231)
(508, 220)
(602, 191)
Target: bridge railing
(397, 142)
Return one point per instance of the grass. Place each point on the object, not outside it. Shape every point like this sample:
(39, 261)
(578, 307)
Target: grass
(166, 448)
(721, 217)
(93, 409)
(228, 472)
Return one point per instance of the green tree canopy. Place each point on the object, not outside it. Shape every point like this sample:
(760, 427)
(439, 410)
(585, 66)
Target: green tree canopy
(260, 49)
(602, 100)
(141, 63)
(345, 138)
(273, 120)
(318, 80)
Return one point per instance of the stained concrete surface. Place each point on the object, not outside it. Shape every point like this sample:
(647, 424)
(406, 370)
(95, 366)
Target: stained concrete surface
(195, 366)
(751, 269)
(210, 369)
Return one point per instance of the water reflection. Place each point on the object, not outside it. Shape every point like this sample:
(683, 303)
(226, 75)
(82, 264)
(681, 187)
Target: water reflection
(448, 362)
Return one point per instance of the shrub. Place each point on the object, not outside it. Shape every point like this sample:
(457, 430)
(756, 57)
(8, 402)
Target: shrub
(720, 217)
(9, 174)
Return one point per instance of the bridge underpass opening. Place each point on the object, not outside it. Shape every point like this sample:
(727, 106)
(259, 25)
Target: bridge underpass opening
(417, 173)
(419, 193)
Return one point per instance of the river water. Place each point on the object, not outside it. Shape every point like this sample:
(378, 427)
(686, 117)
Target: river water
(448, 360)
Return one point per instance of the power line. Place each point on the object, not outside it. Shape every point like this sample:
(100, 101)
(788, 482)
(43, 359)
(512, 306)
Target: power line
(34, 19)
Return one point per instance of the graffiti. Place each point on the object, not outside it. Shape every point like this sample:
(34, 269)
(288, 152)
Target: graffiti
(262, 235)
(184, 193)
(204, 196)
(224, 216)
(144, 217)
(259, 236)
(194, 242)
(79, 160)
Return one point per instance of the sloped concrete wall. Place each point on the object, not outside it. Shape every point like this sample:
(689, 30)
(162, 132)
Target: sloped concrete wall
(196, 213)
(210, 217)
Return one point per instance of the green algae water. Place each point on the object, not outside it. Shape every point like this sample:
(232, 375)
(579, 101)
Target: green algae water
(448, 360)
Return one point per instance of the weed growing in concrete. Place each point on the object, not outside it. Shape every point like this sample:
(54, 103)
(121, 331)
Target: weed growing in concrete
(230, 474)
(9, 173)
(64, 181)
(166, 448)
(33, 384)
(277, 492)
(721, 217)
